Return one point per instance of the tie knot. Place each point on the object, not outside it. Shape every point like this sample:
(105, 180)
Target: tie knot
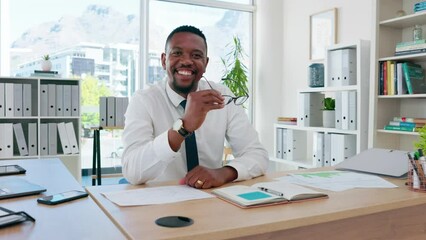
(183, 103)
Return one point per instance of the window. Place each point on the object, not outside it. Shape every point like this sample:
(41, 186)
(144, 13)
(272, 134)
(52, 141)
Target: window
(100, 42)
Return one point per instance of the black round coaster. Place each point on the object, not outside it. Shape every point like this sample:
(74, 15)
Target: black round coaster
(174, 221)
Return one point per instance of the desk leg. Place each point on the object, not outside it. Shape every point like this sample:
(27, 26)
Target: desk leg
(95, 152)
(98, 146)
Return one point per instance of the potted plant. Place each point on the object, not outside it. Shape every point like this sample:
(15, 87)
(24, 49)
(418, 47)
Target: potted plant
(328, 113)
(235, 73)
(46, 64)
(421, 143)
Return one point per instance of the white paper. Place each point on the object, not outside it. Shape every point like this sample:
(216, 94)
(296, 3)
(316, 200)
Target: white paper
(155, 195)
(338, 180)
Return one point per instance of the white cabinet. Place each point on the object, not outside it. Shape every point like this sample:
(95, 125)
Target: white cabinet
(390, 30)
(346, 80)
(38, 106)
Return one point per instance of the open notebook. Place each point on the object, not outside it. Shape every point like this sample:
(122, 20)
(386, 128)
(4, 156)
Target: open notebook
(266, 193)
(15, 187)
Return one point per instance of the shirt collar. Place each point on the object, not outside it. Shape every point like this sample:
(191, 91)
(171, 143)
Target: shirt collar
(175, 98)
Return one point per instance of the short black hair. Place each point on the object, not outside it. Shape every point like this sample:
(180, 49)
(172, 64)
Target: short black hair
(186, 28)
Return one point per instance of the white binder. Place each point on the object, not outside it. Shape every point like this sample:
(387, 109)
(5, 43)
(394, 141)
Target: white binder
(51, 98)
(310, 114)
(103, 111)
(318, 149)
(43, 99)
(26, 100)
(335, 70)
(345, 110)
(32, 139)
(7, 135)
(72, 138)
(52, 139)
(296, 144)
(2, 99)
(59, 100)
(44, 134)
(9, 99)
(279, 143)
(17, 99)
(352, 111)
(75, 100)
(348, 63)
(20, 139)
(343, 146)
(110, 111)
(327, 149)
(67, 100)
(120, 108)
(63, 137)
(338, 112)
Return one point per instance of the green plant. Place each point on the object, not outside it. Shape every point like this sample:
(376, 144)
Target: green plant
(235, 73)
(329, 103)
(421, 143)
(46, 57)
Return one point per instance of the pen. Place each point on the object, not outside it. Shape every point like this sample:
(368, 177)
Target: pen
(271, 191)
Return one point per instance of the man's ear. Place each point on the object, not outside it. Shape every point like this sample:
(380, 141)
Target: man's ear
(163, 60)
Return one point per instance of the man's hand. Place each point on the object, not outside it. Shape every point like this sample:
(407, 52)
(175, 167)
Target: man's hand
(198, 105)
(202, 177)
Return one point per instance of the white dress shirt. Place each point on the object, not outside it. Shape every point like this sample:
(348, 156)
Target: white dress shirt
(147, 154)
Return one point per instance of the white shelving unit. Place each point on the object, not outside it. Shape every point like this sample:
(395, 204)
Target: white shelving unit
(72, 161)
(390, 30)
(362, 48)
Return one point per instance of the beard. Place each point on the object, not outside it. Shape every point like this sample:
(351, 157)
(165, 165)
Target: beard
(180, 89)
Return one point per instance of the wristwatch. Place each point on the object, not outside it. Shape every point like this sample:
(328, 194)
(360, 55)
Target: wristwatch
(178, 127)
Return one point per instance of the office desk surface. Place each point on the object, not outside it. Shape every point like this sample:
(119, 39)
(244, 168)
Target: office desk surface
(354, 214)
(79, 219)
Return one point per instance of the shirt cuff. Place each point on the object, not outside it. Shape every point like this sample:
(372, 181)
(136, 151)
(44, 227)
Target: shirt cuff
(241, 170)
(162, 148)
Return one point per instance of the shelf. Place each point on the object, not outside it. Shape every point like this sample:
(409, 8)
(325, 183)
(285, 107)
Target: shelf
(398, 132)
(403, 96)
(295, 163)
(329, 89)
(316, 129)
(405, 21)
(413, 57)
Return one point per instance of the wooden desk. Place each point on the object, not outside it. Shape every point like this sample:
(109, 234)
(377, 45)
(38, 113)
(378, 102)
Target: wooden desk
(355, 214)
(79, 219)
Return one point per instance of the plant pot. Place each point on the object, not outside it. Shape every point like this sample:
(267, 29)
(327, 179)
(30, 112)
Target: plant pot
(328, 118)
(46, 65)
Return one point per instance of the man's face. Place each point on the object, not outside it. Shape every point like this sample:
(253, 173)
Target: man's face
(185, 61)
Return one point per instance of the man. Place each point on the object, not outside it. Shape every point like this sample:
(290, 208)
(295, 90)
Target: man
(157, 124)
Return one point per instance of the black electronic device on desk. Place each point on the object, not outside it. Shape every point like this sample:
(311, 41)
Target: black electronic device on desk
(11, 170)
(62, 197)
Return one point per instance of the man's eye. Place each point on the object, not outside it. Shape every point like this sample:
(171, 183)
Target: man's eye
(198, 56)
(176, 53)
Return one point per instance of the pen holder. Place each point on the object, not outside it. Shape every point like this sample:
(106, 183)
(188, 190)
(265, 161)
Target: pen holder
(416, 175)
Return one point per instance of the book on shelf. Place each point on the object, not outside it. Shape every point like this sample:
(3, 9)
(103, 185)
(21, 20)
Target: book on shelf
(410, 119)
(40, 73)
(414, 78)
(266, 193)
(287, 120)
(419, 8)
(405, 124)
(410, 43)
(408, 52)
(399, 128)
(410, 47)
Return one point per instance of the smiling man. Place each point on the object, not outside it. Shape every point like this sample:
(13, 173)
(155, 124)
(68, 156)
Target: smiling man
(177, 128)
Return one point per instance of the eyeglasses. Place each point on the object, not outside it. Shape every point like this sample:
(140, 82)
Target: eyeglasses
(228, 99)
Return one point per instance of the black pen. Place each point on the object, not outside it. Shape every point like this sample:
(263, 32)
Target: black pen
(271, 191)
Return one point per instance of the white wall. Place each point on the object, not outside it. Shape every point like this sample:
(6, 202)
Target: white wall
(282, 55)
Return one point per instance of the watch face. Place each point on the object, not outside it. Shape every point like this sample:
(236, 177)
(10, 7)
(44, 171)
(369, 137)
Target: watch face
(177, 125)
